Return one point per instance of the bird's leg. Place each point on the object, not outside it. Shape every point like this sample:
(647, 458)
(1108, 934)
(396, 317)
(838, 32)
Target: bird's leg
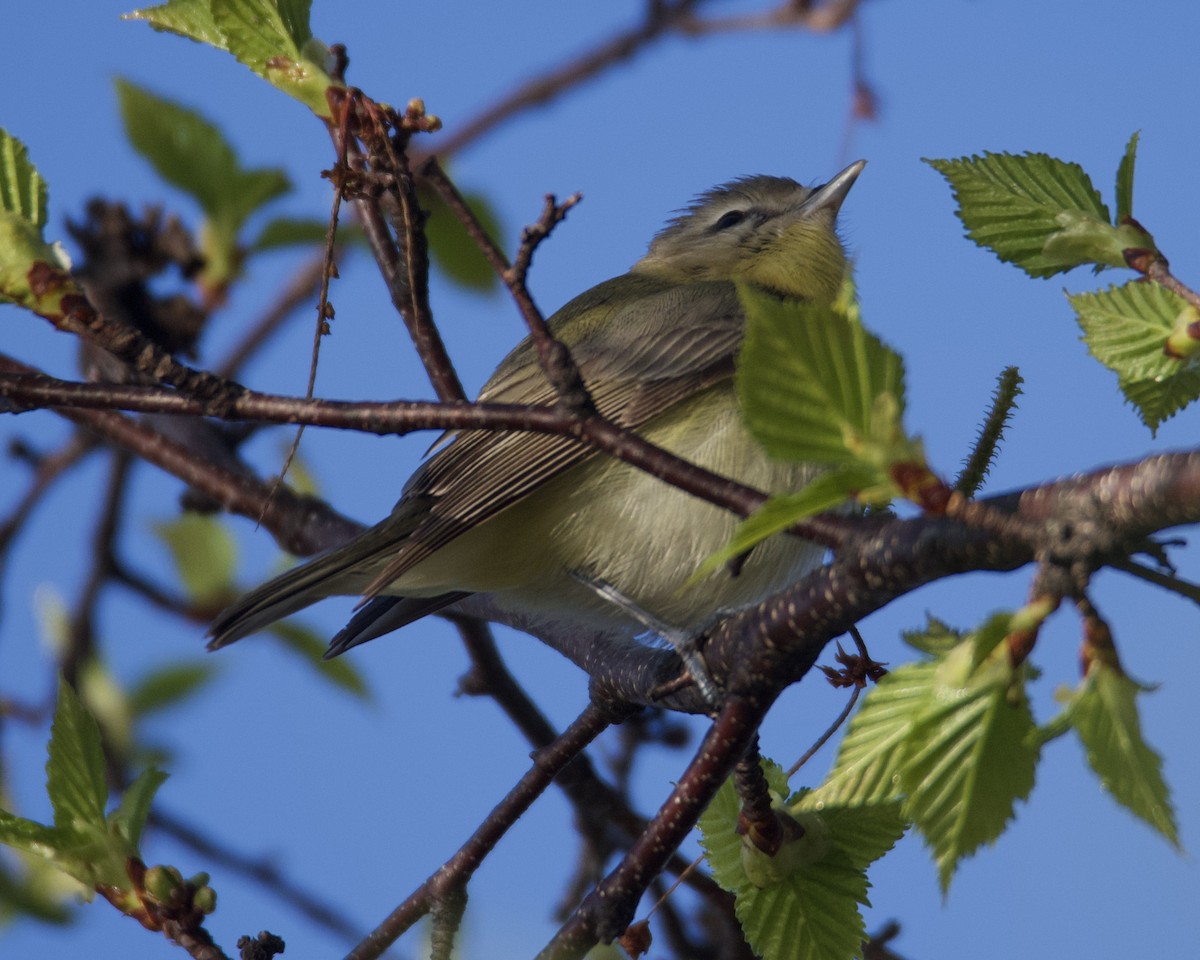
(683, 641)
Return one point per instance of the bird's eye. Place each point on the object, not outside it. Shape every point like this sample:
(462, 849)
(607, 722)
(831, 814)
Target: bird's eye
(729, 219)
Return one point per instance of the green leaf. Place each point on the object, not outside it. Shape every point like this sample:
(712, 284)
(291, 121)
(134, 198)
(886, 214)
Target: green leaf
(30, 836)
(1125, 179)
(870, 758)
(452, 248)
(22, 189)
(169, 686)
(809, 911)
(865, 832)
(192, 19)
(36, 893)
(272, 38)
(718, 824)
(816, 387)
(827, 491)
(205, 555)
(311, 648)
(1126, 328)
(1104, 714)
(75, 768)
(130, 816)
(970, 755)
(1036, 211)
(936, 639)
(22, 246)
(192, 154)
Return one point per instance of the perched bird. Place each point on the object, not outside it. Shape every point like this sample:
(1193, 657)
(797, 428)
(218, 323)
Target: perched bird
(551, 531)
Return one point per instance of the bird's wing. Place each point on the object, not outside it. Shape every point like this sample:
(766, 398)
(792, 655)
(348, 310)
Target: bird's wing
(681, 340)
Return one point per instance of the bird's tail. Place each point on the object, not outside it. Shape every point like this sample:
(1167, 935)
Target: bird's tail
(278, 598)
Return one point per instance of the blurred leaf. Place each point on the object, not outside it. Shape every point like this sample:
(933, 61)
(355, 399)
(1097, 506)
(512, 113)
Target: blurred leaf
(26, 895)
(452, 248)
(168, 686)
(311, 649)
(75, 768)
(205, 556)
(1125, 180)
(22, 189)
(130, 816)
(1104, 714)
(936, 639)
(193, 155)
(1126, 328)
(1038, 212)
(104, 699)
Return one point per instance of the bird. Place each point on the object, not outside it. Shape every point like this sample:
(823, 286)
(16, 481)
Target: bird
(571, 541)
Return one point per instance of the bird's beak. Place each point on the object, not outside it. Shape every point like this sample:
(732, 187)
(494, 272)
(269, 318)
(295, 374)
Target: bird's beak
(830, 196)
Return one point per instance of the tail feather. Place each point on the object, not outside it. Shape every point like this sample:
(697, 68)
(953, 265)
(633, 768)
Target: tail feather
(278, 598)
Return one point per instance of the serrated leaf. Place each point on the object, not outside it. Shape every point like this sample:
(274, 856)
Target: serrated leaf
(1157, 401)
(1126, 328)
(827, 491)
(936, 639)
(187, 18)
(168, 686)
(1038, 212)
(1104, 714)
(311, 648)
(272, 38)
(865, 832)
(868, 766)
(452, 248)
(817, 387)
(969, 756)
(22, 189)
(75, 768)
(130, 816)
(718, 828)
(1125, 179)
(812, 913)
(205, 556)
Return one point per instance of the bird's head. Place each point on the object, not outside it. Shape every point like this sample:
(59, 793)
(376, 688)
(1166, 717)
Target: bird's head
(769, 231)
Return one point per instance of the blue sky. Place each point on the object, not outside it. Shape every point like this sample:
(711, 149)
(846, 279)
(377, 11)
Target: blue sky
(361, 802)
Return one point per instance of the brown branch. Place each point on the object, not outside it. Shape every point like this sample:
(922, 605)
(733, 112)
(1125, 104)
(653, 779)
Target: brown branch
(27, 390)
(405, 273)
